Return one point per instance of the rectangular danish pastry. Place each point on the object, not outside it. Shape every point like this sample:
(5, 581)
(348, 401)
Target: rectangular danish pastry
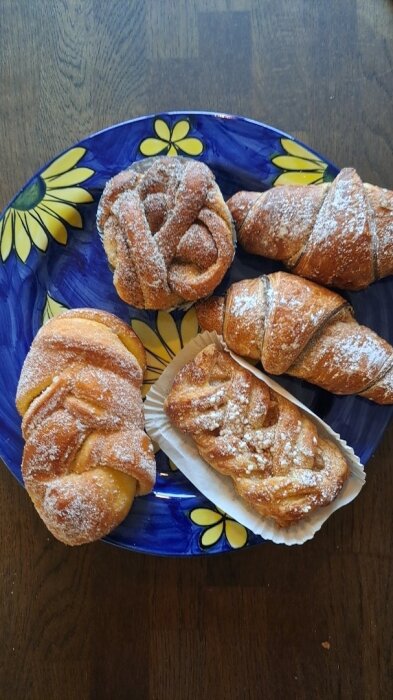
(279, 463)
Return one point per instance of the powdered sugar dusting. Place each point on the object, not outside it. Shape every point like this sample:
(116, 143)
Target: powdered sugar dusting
(276, 226)
(339, 234)
(163, 236)
(347, 358)
(85, 445)
(277, 460)
(381, 219)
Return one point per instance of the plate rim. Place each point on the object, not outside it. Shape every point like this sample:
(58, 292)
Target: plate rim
(214, 115)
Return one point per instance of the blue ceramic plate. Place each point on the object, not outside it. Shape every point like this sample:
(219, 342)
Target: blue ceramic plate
(52, 258)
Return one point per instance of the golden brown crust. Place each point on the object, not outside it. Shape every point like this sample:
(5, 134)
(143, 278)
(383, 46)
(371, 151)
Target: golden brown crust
(86, 453)
(167, 233)
(211, 314)
(339, 234)
(279, 463)
(294, 326)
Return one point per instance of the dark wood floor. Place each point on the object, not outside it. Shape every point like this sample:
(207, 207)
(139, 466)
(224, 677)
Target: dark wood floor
(312, 622)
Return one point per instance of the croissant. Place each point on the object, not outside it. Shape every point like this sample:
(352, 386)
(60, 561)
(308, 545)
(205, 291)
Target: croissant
(339, 234)
(86, 455)
(296, 327)
(167, 232)
(279, 463)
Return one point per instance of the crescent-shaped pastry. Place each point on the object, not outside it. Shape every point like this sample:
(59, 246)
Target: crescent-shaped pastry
(339, 234)
(297, 327)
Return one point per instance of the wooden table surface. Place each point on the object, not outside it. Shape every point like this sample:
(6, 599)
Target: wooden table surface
(269, 622)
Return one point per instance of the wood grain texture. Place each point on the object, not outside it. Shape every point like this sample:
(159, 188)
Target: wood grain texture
(97, 622)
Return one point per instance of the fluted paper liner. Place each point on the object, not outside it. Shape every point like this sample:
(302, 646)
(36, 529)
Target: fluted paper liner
(220, 489)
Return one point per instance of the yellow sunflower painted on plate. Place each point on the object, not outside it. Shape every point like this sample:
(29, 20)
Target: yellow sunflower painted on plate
(216, 524)
(45, 206)
(300, 166)
(52, 308)
(171, 141)
(163, 343)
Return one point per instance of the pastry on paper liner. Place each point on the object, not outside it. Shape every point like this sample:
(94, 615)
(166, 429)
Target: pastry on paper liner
(219, 488)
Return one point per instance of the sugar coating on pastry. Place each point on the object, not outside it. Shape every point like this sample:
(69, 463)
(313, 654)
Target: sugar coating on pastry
(295, 326)
(279, 463)
(167, 232)
(86, 454)
(339, 233)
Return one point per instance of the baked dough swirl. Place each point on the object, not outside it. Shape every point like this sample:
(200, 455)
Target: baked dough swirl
(86, 454)
(167, 232)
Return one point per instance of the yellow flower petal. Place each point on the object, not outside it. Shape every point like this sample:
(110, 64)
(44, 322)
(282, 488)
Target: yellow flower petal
(152, 147)
(36, 231)
(180, 130)
(55, 227)
(294, 149)
(236, 534)
(172, 151)
(65, 211)
(297, 178)
(73, 195)
(162, 129)
(155, 362)
(168, 331)
(6, 236)
(52, 308)
(293, 163)
(64, 162)
(150, 340)
(212, 535)
(22, 240)
(189, 326)
(191, 146)
(145, 390)
(205, 516)
(150, 376)
(72, 177)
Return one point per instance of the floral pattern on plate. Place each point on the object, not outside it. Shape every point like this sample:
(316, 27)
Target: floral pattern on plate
(217, 524)
(58, 264)
(162, 341)
(171, 141)
(44, 207)
(300, 166)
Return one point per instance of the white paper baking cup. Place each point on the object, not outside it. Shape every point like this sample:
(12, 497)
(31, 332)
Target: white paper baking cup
(219, 488)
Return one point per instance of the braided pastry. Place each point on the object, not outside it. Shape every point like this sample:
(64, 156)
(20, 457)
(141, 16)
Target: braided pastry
(297, 327)
(339, 234)
(86, 454)
(279, 464)
(167, 232)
